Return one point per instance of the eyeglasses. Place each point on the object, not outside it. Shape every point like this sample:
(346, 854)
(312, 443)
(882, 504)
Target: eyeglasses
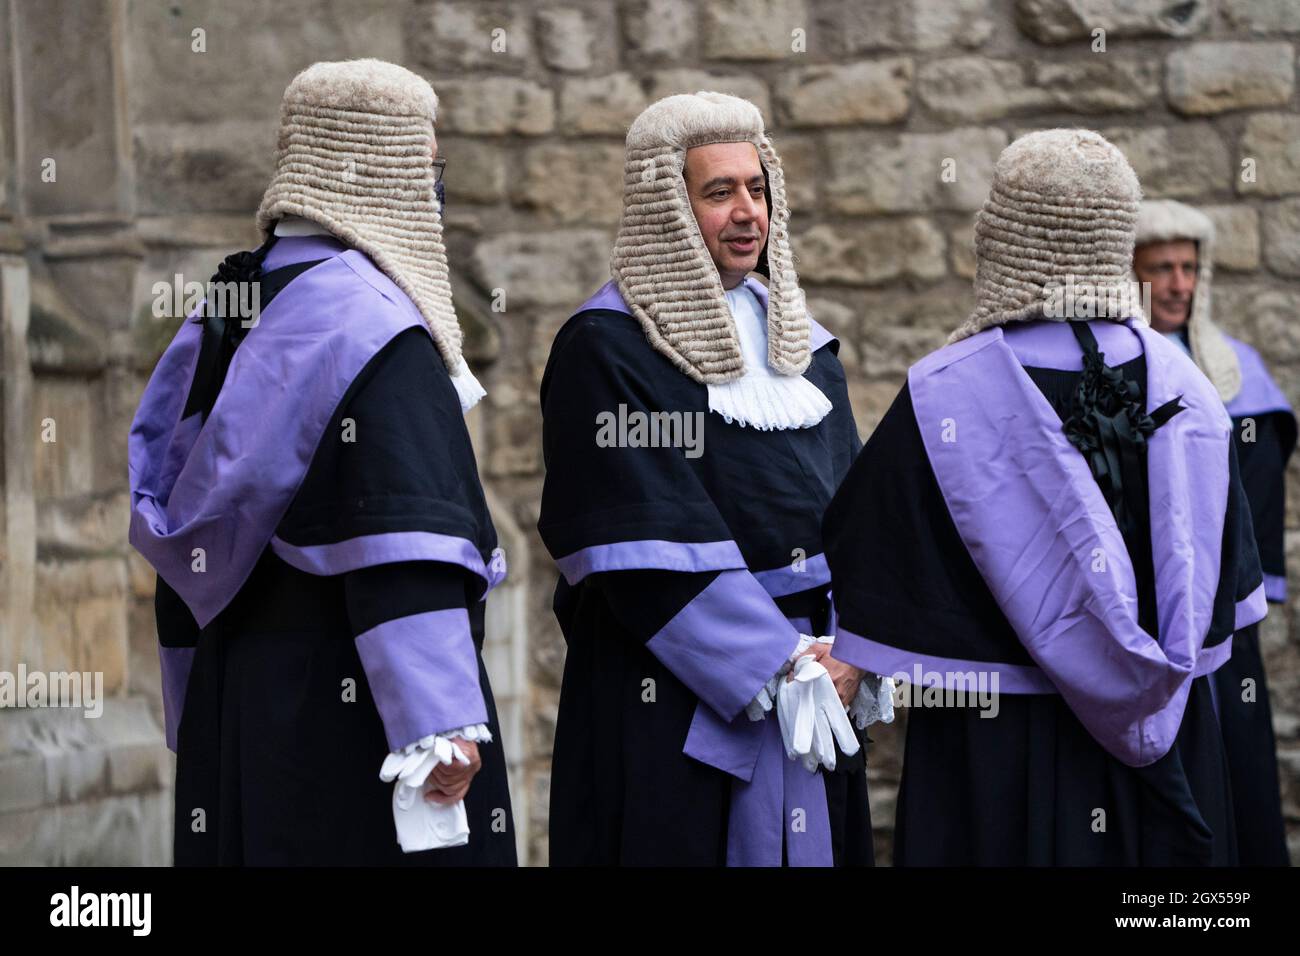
(438, 166)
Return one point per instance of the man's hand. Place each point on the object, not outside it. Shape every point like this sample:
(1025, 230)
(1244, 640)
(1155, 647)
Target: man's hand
(450, 782)
(846, 676)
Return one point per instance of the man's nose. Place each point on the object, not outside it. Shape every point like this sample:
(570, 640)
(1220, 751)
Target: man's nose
(746, 208)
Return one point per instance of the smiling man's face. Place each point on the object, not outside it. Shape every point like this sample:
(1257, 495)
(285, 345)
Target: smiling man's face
(1170, 268)
(725, 184)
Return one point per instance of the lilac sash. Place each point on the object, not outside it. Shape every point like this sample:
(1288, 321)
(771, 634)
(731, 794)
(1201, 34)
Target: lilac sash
(1040, 532)
(1259, 394)
(206, 497)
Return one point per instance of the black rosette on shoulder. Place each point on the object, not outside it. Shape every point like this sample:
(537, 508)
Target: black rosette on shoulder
(237, 281)
(1109, 424)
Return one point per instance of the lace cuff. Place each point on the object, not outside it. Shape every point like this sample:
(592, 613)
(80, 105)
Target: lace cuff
(874, 702)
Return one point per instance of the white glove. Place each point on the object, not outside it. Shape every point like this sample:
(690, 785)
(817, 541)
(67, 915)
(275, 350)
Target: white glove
(874, 702)
(761, 705)
(812, 717)
(422, 824)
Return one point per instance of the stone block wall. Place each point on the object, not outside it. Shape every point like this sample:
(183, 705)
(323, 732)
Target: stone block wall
(888, 114)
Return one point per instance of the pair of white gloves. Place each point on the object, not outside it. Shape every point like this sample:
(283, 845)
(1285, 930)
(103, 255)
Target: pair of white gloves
(810, 712)
(423, 824)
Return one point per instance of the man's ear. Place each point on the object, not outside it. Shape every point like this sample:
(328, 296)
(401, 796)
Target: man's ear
(763, 268)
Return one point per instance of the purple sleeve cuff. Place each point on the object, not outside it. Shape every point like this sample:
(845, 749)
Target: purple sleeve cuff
(650, 555)
(925, 670)
(726, 643)
(1275, 588)
(788, 579)
(423, 674)
(1252, 609)
(1212, 658)
(176, 663)
(391, 547)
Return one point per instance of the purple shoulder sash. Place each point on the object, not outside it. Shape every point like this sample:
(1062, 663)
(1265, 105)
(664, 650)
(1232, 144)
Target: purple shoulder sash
(1039, 530)
(1259, 394)
(206, 497)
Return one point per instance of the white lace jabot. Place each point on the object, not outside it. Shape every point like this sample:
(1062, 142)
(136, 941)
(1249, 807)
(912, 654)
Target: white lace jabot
(761, 398)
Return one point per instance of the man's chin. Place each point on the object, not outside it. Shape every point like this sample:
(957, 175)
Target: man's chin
(741, 264)
(1164, 322)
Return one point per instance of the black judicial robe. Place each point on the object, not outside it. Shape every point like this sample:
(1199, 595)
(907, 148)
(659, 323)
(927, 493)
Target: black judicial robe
(1264, 429)
(664, 556)
(1031, 785)
(285, 702)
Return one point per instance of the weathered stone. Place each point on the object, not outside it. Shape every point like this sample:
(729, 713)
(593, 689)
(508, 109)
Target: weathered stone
(601, 104)
(539, 798)
(494, 106)
(668, 82)
(573, 39)
(6, 163)
(133, 830)
(661, 29)
(62, 432)
(543, 268)
(872, 91)
(573, 182)
(1262, 16)
(973, 88)
(1236, 236)
(1172, 161)
(112, 276)
(801, 160)
(888, 351)
(1097, 84)
(938, 309)
(752, 29)
(1282, 237)
(59, 339)
(74, 135)
(84, 791)
(910, 24)
(203, 167)
(911, 172)
(1060, 21)
(514, 441)
(456, 36)
(80, 618)
(1272, 141)
(171, 82)
(871, 252)
(1264, 317)
(231, 230)
(1209, 78)
(476, 171)
(961, 249)
(84, 526)
(840, 320)
(542, 335)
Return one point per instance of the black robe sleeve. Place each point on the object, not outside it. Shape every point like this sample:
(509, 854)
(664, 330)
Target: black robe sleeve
(1240, 574)
(1263, 477)
(395, 470)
